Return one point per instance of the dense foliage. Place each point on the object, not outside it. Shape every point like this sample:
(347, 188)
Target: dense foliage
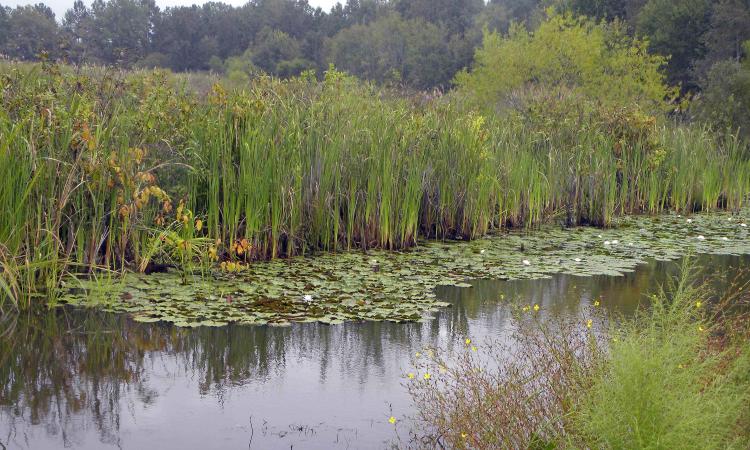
(597, 61)
(419, 43)
(101, 168)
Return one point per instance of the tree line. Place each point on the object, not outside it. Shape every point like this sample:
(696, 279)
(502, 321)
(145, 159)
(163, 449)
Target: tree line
(417, 43)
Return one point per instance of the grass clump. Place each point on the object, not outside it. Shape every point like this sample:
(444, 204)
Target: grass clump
(675, 376)
(673, 379)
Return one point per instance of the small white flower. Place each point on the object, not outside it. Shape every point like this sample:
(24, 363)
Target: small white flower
(690, 221)
(743, 224)
(725, 238)
(606, 242)
(600, 236)
(577, 260)
(615, 242)
(630, 244)
(526, 262)
(481, 252)
(730, 218)
(679, 215)
(307, 298)
(701, 237)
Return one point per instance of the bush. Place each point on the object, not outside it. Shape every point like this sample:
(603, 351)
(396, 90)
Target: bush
(672, 377)
(599, 61)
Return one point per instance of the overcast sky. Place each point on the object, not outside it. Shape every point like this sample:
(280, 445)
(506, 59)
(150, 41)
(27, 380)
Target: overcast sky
(60, 6)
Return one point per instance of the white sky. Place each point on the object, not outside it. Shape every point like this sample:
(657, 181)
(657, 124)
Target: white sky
(60, 6)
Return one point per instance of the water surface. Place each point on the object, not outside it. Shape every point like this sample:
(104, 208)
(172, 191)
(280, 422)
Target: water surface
(90, 380)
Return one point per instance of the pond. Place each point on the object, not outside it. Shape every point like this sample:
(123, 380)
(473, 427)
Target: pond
(83, 378)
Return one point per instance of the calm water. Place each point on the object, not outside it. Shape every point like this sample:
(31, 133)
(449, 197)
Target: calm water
(91, 380)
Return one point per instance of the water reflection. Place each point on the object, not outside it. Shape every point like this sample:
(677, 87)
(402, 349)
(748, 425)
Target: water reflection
(84, 379)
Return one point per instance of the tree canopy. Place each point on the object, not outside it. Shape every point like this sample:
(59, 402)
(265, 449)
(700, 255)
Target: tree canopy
(598, 60)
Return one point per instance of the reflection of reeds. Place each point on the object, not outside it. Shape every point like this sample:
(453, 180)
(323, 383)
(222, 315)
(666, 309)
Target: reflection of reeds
(92, 170)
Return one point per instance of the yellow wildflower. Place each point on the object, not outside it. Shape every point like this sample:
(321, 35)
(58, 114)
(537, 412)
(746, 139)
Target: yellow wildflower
(536, 307)
(410, 375)
(392, 420)
(473, 349)
(698, 304)
(468, 341)
(417, 354)
(701, 329)
(427, 376)
(525, 308)
(198, 225)
(463, 435)
(589, 323)
(596, 303)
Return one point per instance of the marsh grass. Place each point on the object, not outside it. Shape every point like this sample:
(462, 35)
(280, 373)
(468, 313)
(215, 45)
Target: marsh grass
(674, 376)
(95, 163)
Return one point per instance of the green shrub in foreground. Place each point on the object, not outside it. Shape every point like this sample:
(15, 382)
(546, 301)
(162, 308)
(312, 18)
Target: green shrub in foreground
(667, 384)
(672, 377)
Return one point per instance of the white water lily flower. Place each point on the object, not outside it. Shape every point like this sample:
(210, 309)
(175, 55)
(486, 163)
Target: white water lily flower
(307, 298)
(526, 262)
(701, 237)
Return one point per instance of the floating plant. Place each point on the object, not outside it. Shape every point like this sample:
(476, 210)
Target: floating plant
(333, 288)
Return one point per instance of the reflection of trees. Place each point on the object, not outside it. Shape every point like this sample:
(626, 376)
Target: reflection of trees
(55, 367)
(76, 370)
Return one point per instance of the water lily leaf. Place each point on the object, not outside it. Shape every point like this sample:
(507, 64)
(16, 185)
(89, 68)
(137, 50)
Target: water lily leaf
(400, 285)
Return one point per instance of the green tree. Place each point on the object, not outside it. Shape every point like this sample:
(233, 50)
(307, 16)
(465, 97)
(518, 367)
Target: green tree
(498, 15)
(392, 49)
(181, 36)
(77, 29)
(31, 30)
(4, 26)
(274, 47)
(598, 9)
(457, 16)
(599, 61)
(122, 30)
(675, 28)
(725, 98)
(730, 27)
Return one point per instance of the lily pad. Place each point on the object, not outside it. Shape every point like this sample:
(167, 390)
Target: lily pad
(344, 287)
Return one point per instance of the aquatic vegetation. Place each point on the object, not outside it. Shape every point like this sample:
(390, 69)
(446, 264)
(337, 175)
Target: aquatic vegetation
(333, 288)
(132, 172)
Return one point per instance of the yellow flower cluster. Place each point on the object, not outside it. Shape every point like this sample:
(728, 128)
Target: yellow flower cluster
(241, 247)
(232, 267)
